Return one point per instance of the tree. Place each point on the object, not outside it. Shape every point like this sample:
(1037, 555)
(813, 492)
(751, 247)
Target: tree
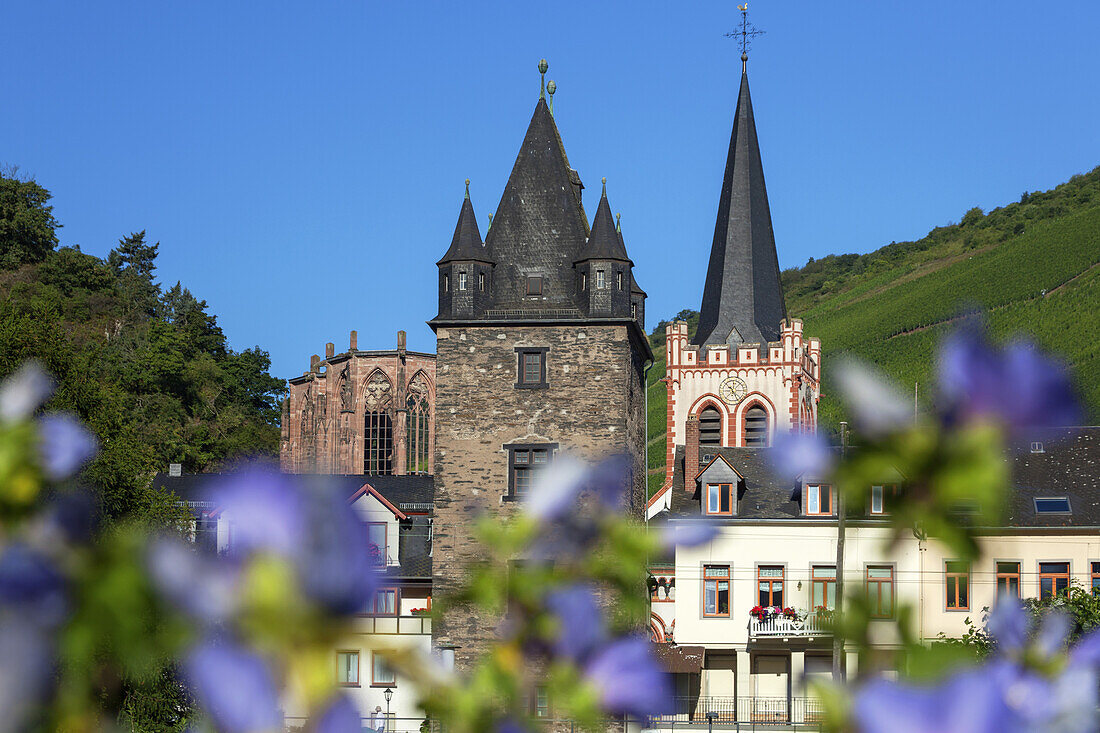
(134, 263)
(27, 227)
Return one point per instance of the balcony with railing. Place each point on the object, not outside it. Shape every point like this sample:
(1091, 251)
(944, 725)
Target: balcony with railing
(415, 624)
(783, 626)
(792, 711)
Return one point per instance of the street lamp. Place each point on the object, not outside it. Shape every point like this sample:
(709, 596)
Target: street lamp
(710, 721)
(388, 693)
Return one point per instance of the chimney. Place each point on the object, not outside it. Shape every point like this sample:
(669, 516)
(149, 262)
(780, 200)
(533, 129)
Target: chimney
(691, 452)
(354, 341)
(330, 349)
(314, 361)
(175, 469)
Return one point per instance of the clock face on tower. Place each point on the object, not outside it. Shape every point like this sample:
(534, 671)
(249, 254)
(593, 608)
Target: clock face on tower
(732, 390)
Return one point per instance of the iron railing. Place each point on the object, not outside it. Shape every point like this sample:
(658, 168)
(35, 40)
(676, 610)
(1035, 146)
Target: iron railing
(793, 710)
(812, 625)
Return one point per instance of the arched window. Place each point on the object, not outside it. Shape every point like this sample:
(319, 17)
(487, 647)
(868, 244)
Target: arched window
(756, 426)
(378, 425)
(710, 426)
(417, 426)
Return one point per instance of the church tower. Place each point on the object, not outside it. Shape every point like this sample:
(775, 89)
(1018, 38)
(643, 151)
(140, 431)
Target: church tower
(540, 351)
(749, 372)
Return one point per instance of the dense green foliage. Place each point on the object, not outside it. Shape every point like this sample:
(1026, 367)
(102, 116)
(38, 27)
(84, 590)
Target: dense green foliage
(147, 369)
(1032, 266)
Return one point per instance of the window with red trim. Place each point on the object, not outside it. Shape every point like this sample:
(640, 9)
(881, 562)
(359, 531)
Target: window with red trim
(1008, 579)
(716, 590)
(347, 668)
(1053, 579)
(957, 576)
(770, 584)
(380, 674)
(385, 602)
(819, 500)
(719, 499)
(880, 590)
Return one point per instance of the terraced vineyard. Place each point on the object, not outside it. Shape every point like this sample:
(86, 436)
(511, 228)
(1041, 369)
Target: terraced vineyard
(1032, 266)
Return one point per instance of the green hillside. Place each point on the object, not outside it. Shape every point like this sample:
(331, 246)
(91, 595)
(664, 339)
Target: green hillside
(1033, 266)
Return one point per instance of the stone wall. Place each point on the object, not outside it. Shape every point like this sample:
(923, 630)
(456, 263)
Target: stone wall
(594, 406)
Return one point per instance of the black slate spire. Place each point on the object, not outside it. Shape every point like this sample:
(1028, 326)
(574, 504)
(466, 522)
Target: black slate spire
(466, 243)
(742, 298)
(540, 226)
(604, 242)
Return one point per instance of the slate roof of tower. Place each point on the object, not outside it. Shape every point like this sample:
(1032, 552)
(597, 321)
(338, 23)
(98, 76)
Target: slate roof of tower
(742, 288)
(540, 226)
(604, 243)
(466, 243)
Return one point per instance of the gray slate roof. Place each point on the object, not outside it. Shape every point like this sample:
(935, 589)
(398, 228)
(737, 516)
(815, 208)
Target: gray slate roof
(466, 243)
(742, 288)
(604, 243)
(540, 226)
(1069, 466)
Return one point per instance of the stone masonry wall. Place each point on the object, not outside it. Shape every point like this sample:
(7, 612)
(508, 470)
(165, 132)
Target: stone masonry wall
(594, 406)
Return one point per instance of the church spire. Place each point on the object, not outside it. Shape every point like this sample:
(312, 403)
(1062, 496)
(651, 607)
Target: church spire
(742, 298)
(466, 244)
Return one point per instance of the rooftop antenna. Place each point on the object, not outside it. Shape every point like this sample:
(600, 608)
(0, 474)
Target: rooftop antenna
(747, 33)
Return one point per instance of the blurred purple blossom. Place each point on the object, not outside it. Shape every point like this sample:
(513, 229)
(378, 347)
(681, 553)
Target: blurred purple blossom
(687, 534)
(234, 686)
(1017, 384)
(556, 488)
(341, 716)
(26, 671)
(581, 626)
(64, 445)
(797, 454)
(876, 404)
(334, 561)
(24, 392)
(31, 587)
(266, 509)
(629, 678)
(1003, 695)
(71, 516)
(203, 587)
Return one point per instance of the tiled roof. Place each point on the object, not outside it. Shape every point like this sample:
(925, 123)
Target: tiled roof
(466, 243)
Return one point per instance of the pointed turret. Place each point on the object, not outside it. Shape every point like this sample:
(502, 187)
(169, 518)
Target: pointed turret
(540, 226)
(742, 298)
(604, 267)
(465, 271)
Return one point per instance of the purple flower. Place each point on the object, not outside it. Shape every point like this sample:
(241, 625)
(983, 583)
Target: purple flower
(802, 454)
(23, 392)
(341, 716)
(877, 406)
(556, 488)
(687, 534)
(266, 510)
(334, 561)
(966, 703)
(234, 686)
(26, 671)
(31, 586)
(1008, 624)
(628, 678)
(64, 445)
(203, 587)
(581, 626)
(1017, 385)
(510, 726)
(71, 516)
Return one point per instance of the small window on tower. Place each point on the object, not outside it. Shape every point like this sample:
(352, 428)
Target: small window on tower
(601, 279)
(584, 281)
(462, 281)
(619, 279)
(633, 310)
(534, 286)
(446, 283)
(481, 281)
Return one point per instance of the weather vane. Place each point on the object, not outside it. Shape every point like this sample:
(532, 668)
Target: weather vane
(747, 33)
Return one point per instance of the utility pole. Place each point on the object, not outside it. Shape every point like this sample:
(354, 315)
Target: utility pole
(838, 641)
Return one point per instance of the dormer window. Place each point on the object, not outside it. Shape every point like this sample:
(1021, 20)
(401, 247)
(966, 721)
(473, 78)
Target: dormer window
(719, 499)
(534, 285)
(819, 500)
(879, 496)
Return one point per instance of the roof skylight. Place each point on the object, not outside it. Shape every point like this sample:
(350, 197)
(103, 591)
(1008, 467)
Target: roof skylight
(1052, 505)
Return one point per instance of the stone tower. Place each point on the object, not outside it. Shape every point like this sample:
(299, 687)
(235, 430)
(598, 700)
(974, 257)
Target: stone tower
(750, 371)
(540, 350)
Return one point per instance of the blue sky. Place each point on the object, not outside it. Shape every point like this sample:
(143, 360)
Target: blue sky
(302, 164)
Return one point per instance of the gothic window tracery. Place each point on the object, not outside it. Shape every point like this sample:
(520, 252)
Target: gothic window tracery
(418, 425)
(378, 425)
